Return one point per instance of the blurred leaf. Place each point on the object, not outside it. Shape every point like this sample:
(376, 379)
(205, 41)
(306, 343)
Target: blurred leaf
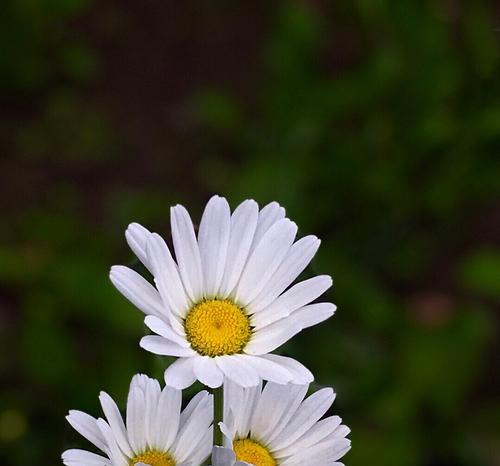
(480, 272)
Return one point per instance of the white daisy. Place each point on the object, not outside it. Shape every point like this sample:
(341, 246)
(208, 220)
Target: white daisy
(223, 305)
(156, 432)
(276, 426)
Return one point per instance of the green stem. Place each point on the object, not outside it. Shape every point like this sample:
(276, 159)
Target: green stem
(218, 413)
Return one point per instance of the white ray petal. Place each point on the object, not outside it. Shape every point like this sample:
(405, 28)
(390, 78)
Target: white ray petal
(76, 457)
(187, 252)
(308, 413)
(159, 345)
(136, 429)
(243, 225)
(299, 255)
(207, 372)
(166, 275)
(136, 236)
(86, 426)
(115, 422)
(265, 259)
(300, 373)
(236, 368)
(137, 290)
(213, 240)
(180, 374)
(160, 327)
(268, 216)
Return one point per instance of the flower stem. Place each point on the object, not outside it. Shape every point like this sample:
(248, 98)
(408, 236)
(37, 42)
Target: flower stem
(218, 413)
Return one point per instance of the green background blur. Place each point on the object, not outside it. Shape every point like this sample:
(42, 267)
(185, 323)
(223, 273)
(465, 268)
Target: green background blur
(375, 123)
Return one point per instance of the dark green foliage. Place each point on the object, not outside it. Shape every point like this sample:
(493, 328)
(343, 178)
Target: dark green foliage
(375, 123)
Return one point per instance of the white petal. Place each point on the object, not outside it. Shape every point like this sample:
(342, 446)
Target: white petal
(207, 372)
(201, 452)
(269, 370)
(84, 458)
(187, 252)
(275, 402)
(308, 413)
(139, 381)
(166, 331)
(299, 255)
(115, 421)
(227, 434)
(294, 398)
(306, 291)
(166, 275)
(268, 216)
(238, 370)
(324, 453)
(159, 345)
(239, 407)
(299, 295)
(168, 417)
(115, 454)
(193, 430)
(151, 397)
(249, 405)
(137, 290)
(86, 426)
(314, 314)
(271, 337)
(197, 402)
(213, 240)
(136, 429)
(180, 373)
(223, 456)
(243, 225)
(269, 315)
(342, 431)
(234, 405)
(137, 236)
(314, 435)
(265, 259)
(300, 373)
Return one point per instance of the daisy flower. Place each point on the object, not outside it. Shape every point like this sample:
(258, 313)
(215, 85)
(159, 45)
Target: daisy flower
(156, 432)
(276, 426)
(225, 302)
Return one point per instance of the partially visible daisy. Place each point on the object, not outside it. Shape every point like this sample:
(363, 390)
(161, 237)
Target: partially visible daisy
(156, 432)
(276, 426)
(224, 304)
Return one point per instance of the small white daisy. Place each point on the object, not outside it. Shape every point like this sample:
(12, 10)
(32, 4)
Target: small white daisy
(156, 432)
(276, 426)
(224, 304)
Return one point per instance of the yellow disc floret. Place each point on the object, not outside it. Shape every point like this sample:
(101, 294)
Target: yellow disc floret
(252, 452)
(153, 458)
(217, 327)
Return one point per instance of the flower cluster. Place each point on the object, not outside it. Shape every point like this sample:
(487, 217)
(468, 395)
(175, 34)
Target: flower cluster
(220, 307)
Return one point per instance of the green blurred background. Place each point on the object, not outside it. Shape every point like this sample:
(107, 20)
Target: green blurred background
(375, 123)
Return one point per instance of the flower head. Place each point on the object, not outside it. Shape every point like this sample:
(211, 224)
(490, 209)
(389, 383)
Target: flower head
(156, 432)
(277, 426)
(224, 303)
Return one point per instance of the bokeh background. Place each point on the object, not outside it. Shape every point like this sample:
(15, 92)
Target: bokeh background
(375, 123)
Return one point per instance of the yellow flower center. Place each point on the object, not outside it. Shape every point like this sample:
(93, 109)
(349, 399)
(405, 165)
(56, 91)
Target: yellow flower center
(253, 453)
(153, 458)
(216, 327)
